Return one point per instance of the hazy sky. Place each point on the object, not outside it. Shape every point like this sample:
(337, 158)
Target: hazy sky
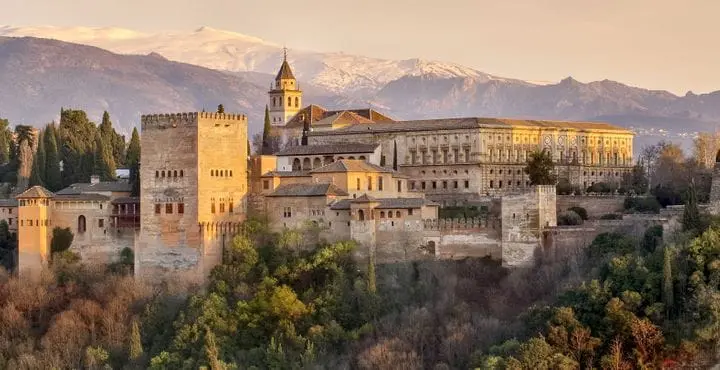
(661, 44)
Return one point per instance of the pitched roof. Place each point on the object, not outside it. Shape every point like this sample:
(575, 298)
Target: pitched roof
(350, 165)
(466, 123)
(287, 174)
(285, 73)
(11, 202)
(36, 191)
(81, 197)
(364, 199)
(104, 186)
(345, 148)
(385, 203)
(307, 190)
(315, 113)
(126, 200)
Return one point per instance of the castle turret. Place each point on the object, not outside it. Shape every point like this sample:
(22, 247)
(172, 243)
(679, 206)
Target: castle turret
(285, 95)
(33, 236)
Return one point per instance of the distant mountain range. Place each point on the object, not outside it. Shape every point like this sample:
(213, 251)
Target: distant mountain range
(44, 75)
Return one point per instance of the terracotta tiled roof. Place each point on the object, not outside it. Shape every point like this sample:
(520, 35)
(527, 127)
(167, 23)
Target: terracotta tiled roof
(83, 196)
(312, 114)
(126, 200)
(307, 190)
(466, 123)
(36, 191)
(345, 148)
(350, 165)
(104, 186)
(364, 199)
(285, 72)
(385, 203)
(287, 174)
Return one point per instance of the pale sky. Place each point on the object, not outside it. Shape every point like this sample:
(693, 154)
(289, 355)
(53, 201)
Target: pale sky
(658, 44)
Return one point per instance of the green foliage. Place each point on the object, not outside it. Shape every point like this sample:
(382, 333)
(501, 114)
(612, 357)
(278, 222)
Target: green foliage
(456, 212)
(5, 140)
(636, 181)
(541, 169)
(53, 178)
(220, 108)
(61, 240)
(564, 187)
(135, 349)
(103, 161)
(652, 238)
(8, 245)
(77, 140)
(642, 204)
(611, 216)
(133, 161)
(691, 214)
(267, 129)
(603, 188)
(569, 218)
(582, 212)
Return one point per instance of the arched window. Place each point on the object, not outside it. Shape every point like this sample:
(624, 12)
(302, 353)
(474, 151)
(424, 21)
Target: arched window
(297, 102)
(175, 173)
(162, 173)
(289, 101)
(296, 164)
(397, 214)
(357, 183)
(361, 215)
(362, 157)
(390, 214)
(380, 183)
(317, 163)
(227, 173)
(306, 164)
(181, 173)
(157, 173)
(82, 224)
(274, 102)
(369, 183)
(382, 214)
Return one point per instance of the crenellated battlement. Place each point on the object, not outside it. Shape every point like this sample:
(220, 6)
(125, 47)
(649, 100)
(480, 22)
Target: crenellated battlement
(164, 120)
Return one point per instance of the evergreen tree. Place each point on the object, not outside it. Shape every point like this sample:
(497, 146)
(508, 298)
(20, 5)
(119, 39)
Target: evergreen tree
(221, 109)
(372, 285)
(5, 139)
(37, 175)
(668, 289)
(541, 169)
(691, 214)
(77, 146)
(112, 139)
(53, 178)
(211, 350)
(104, 164)
(266, 132)
(135, 350)
(395, 159)
(132, 160)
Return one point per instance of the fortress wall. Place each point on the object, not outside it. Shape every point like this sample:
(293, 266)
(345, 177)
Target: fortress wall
(596, 206)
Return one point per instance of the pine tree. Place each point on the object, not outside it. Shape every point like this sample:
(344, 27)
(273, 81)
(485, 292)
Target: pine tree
(136, 349)
(668, 289)
(541, 169)
(221, 109)
(132, 160)
(266, 132)
(53, 178)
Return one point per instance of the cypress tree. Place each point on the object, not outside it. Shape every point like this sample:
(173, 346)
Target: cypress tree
(135, 350)
(132, 160)
(691, 214)
(395, 162)
(53, 178)
(5, 139)
(35, 176)
(112, 139)
(221, 109)
(77, 146)
(41, 156)
(668, 290)
(266, 133)
(104, 164)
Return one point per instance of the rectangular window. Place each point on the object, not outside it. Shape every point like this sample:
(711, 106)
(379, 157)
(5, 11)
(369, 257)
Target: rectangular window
(212, 207)
(101, 223)
(399, 186)
(157, 209)
(444, 184)
(10, 221)
(266, 184)
(168, 208)
(380, 183)
(21, 222)
(410, 212)
(455, 184)
(467, 184)
(230, 207)
(434, 184)
(181, 208)
(222, 207)
(423, 185)
(30, 222)
(10, 211)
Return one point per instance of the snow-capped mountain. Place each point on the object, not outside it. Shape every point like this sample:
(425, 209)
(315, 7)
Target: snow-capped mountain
(222, 50)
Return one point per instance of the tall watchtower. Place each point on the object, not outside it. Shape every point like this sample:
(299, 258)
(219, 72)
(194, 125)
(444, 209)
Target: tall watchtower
(33, 236)
(193, 190)
(285, 97)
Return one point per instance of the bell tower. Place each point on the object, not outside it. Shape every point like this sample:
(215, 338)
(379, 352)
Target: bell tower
(285, 97)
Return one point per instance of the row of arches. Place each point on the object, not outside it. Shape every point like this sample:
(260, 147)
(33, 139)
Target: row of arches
(307, 164)
(169, 173)
(278, 101)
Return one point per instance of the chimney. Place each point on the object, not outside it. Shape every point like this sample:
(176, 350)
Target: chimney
(94, 179)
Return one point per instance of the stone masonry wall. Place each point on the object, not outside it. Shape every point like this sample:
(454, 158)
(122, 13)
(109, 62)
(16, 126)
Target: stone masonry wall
(596, 206)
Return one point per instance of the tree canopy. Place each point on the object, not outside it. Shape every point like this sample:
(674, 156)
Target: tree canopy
(541, 169)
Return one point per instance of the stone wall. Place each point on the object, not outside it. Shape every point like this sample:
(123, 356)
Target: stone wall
(596, 206)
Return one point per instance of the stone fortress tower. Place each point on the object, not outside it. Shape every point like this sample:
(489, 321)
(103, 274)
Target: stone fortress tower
(285, 97)
(193, 190)
(33, 235)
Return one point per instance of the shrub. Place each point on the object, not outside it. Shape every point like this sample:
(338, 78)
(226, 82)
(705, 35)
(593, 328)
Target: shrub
(582, 212)
(564, 187)
(642, 204)
(611, 216)
(569, 218)
(61, 240)
(652, 238)
(602, 188)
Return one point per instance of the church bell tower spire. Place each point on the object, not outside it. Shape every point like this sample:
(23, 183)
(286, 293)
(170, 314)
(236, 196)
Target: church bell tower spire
(285, 96)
